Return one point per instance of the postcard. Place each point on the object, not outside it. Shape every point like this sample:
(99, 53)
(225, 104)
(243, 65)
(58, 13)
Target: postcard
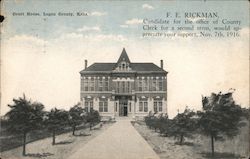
(124, 79)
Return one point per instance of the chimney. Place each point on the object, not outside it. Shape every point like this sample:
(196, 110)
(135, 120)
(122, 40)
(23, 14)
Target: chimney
(162, 64)
(86, 64)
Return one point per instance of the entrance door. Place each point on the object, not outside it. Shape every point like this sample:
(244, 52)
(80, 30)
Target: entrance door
(125, 111)
(123, 105)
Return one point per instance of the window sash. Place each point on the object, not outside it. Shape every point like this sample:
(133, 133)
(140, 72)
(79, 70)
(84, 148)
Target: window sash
(103, 106)
(88, 105)
(140, 106)
(155, 107)
(145, 106)
(100, 106)
(160, 106)
(139, 85)
(105, 109)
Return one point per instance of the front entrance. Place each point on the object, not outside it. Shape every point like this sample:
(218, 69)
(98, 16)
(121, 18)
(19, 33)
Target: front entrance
(123, 107)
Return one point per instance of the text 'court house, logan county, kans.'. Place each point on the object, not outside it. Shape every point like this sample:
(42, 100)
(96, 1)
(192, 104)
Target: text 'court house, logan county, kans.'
(124, 88)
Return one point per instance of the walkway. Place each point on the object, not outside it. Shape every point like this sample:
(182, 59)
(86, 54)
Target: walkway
(120, 141)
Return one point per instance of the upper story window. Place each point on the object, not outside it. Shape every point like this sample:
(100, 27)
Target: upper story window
(123, 66)
(150, 83)
(88, 84)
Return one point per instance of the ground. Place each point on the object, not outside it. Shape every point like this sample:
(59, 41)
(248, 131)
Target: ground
(66, 144)
(196, 148)
(117, 141)
(122, 140)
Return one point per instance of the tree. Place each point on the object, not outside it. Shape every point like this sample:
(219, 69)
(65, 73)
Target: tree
(92, 118)
(151, 121)
(158, 122)
(183, 125)
(163, 124)
(24, 117)
(56, 120)
(76, 117)
(220, 116)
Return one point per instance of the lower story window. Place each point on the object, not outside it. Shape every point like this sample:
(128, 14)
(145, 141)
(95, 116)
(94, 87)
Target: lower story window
(143, 106)
(160, 106)
(140, 106)
(103, 106)
(88, 105)
(157, 106)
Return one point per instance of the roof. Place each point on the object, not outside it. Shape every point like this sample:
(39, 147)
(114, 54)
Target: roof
(100, 67)
(138, 67)
(123, 57)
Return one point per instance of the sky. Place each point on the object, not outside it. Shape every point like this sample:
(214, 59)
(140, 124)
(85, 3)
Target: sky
(42, 56)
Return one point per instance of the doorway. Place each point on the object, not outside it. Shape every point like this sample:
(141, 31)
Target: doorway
(123, 107)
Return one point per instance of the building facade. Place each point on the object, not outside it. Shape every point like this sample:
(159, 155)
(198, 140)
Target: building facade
(124, 88)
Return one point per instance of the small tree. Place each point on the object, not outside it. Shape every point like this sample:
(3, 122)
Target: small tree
(76, 117)
(92, 118)
(183, 125)
(220, 116)
(163, 124)
(24, 117)
(56, 120)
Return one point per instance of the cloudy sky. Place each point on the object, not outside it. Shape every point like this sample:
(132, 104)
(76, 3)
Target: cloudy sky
(42, 56)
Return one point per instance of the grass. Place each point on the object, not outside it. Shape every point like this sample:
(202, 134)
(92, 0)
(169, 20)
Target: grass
(66, 145)
(218, 155)
(39, 155)
(197, 147)
(9, 140)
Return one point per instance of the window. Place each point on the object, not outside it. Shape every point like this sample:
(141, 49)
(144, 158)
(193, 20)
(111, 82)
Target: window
(140, 106)
(145, 85)
(154, 85)
(160, 85)
(106, 84)
(123, 87)
(128, 87)
(103, 106)
(160, 106)
(85, 83)
(82, 84)
(91, 84)
(140, 85)
(157, 106)
(115, 107)
(91, 105)
(145, 106)
(100, 85)
(88, 105)
(129, 107)
(118, 87)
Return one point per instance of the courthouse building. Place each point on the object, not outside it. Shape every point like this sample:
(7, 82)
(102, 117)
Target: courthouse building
(124, 88)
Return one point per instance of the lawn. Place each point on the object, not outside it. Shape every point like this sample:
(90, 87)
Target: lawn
(65, 145)
(196, 148)
(9, 141)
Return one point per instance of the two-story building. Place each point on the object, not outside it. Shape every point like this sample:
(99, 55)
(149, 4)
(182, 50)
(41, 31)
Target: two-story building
(124, 88)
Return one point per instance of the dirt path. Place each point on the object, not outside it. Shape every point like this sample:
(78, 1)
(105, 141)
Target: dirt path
(120, 141)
